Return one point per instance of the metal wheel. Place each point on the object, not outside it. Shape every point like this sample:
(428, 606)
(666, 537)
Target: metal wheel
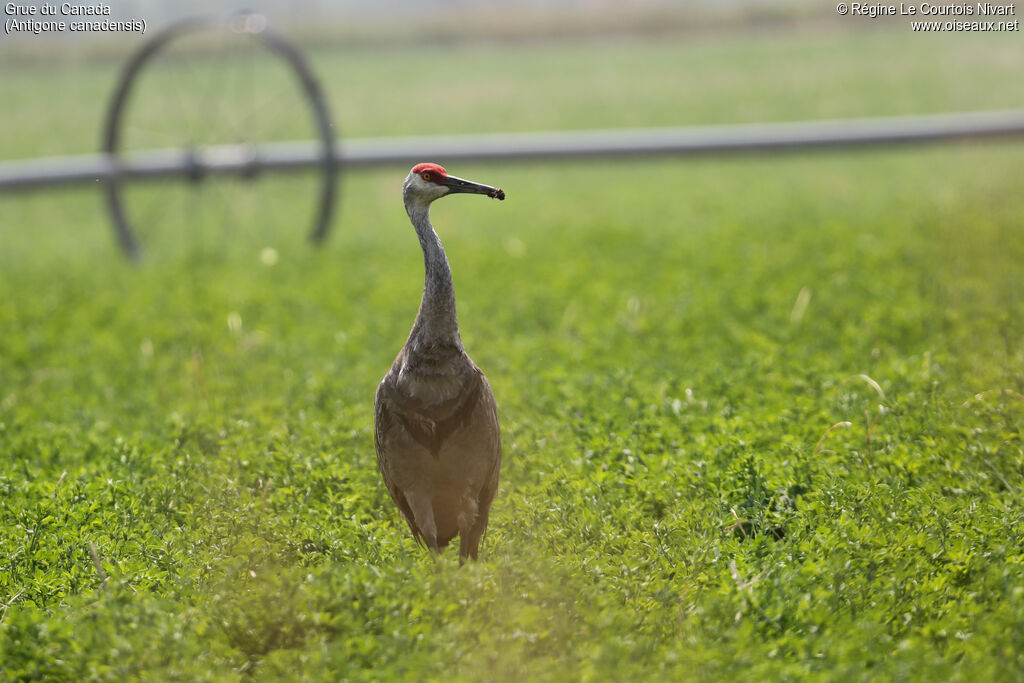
(220, 81)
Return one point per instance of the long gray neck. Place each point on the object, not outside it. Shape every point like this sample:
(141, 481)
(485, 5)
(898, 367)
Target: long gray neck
(436, 322)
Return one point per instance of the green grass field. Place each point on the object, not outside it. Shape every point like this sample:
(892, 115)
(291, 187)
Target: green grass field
(762, 416)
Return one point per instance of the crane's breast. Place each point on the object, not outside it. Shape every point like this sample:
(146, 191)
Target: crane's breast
(431, 422)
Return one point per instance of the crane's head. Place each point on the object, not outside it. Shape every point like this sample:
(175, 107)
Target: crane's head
(427, 182)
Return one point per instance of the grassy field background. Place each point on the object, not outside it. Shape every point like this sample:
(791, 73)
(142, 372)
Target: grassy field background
(762, 416)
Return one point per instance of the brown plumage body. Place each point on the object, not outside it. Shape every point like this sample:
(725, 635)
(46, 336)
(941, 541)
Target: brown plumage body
(436, 425)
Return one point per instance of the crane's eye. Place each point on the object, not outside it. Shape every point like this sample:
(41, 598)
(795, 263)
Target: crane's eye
(425, 175)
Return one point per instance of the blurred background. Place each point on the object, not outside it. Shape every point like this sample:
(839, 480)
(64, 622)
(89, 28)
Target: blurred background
(401, 68)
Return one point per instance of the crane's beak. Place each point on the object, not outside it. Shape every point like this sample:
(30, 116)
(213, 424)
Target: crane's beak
(458, 185)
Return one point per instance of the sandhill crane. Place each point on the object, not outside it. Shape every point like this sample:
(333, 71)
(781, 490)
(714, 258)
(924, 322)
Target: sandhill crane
(435, 419)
